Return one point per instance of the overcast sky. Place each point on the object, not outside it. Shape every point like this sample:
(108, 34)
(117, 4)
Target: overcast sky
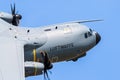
(103, 61)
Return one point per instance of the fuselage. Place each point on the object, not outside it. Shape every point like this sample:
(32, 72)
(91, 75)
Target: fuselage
(45, 45)
(62, 42)
(67, 41)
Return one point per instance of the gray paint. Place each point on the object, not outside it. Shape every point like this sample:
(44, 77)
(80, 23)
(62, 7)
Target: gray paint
(65, 42)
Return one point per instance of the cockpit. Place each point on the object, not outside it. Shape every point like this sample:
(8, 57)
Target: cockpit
(89, 33)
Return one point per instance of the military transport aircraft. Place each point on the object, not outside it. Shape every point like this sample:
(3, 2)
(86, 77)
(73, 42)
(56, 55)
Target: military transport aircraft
(31, 51)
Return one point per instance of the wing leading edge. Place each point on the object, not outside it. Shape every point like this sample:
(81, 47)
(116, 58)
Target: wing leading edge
(11, 59)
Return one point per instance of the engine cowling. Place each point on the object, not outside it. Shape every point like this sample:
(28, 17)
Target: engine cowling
(33, 68)
(11, 18)
(6, 17)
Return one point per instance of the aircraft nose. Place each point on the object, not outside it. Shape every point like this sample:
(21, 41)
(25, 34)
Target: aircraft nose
(98, 38)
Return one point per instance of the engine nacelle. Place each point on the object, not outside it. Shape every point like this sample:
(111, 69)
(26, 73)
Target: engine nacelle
(33, 68)
(6, 17)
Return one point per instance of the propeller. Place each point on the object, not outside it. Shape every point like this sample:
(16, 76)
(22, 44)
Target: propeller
(16, 17)
(47, 64)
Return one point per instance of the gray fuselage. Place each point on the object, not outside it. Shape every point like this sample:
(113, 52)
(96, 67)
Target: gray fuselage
(61, 42)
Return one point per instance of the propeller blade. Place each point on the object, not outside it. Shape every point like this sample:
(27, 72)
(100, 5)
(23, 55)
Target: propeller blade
(46, 76)
(11, 8)
(47, 65)
(14, 9)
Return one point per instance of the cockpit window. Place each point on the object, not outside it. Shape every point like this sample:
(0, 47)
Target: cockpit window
(90, 30)
(88, 34)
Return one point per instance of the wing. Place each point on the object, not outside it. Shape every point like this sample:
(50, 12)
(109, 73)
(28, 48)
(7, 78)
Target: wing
(4, 25)
(11, 59)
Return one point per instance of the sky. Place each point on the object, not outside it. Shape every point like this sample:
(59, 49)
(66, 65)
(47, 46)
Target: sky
(103, 61)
